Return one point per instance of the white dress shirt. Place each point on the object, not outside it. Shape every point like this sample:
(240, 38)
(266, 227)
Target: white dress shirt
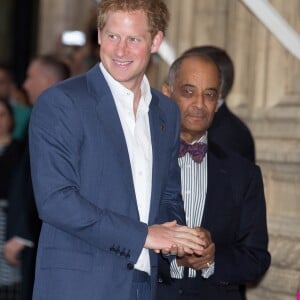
(138, 139)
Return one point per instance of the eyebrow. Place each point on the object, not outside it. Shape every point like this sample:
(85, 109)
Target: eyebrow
(188, 85)
(194, 86)
(212, 89)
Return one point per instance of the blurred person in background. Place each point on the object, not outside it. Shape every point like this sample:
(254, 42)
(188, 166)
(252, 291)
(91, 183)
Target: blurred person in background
(79, 49)
(18, 100)
(23, 222)
(10, 154)
(5, 82)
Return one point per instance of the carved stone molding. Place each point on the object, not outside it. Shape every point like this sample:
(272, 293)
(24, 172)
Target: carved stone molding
(286, 227)
(281, 280)
(285, 252)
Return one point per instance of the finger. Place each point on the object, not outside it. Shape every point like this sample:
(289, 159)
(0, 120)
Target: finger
(165, 251)
(203, 233)
(185, 229)
(188, 250)
(209, 251)
(174, 250)
(199, 252)
(189, 233)
(180, 252)
(188, 240)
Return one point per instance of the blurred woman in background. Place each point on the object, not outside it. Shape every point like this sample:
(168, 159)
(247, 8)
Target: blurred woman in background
(10, 153)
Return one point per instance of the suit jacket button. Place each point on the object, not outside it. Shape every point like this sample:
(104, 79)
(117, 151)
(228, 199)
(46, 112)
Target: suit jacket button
(130, 266)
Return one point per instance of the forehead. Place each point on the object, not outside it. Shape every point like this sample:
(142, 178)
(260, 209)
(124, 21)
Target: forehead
(127, 20)
(199, 69)
(34, 66)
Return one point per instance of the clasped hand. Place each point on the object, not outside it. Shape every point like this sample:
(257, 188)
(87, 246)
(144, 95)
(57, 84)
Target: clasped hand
(203, 260)
(171, 238)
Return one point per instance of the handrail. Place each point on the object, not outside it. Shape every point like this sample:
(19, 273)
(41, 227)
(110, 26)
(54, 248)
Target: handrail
(275, 23)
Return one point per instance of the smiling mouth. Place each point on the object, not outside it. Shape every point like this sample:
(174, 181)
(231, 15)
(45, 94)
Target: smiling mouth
(122, 63)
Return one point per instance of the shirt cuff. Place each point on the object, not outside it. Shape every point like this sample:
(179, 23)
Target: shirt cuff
(25, 242)
(207, 272)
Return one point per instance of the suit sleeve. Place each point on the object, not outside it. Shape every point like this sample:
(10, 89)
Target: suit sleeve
(172, 204)
(247, 259)
(56, 137)
(22, 216)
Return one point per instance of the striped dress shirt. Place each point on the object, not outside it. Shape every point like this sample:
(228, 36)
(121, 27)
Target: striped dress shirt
(194, 187)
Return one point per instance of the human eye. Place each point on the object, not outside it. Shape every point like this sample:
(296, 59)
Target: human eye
(187, 92)
(134, 39)
(112, 36)
(211, 95)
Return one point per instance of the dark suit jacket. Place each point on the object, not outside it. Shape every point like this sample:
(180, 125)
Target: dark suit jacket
(23, 221)
(91, 235)
(235, 214)
(231, 133)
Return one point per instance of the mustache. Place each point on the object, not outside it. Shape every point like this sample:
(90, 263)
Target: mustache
(197, 113)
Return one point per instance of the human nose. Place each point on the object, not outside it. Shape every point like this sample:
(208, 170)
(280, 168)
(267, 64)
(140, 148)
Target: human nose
(199, 101)
(121, 48)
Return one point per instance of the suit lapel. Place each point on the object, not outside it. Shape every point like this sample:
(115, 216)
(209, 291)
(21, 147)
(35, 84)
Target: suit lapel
(217, 176)
(111, 124)
(157, 128)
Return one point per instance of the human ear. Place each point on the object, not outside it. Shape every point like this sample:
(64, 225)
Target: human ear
(156, 42)
(165, 89)
(99, 37)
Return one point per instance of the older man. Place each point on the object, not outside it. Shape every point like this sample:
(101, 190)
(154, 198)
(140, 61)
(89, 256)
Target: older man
(222, 192)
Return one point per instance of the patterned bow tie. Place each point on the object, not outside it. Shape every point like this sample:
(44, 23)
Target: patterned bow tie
(196, 150)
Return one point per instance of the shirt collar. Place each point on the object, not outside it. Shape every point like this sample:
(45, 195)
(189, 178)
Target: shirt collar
(203, 139)
(220, 102)
(118, 89)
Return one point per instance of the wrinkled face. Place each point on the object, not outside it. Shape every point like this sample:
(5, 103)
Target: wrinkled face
(196, 91)
(36, 81)
(5, 120)
(126, 45)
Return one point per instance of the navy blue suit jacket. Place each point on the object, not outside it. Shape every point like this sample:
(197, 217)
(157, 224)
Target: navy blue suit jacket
(91, 234)
(235, 215)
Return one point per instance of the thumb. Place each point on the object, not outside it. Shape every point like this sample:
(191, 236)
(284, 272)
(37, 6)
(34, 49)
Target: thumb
(170, 224)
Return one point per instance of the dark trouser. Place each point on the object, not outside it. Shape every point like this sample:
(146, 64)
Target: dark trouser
(141, 286)
(195, 289)
(28, 270)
